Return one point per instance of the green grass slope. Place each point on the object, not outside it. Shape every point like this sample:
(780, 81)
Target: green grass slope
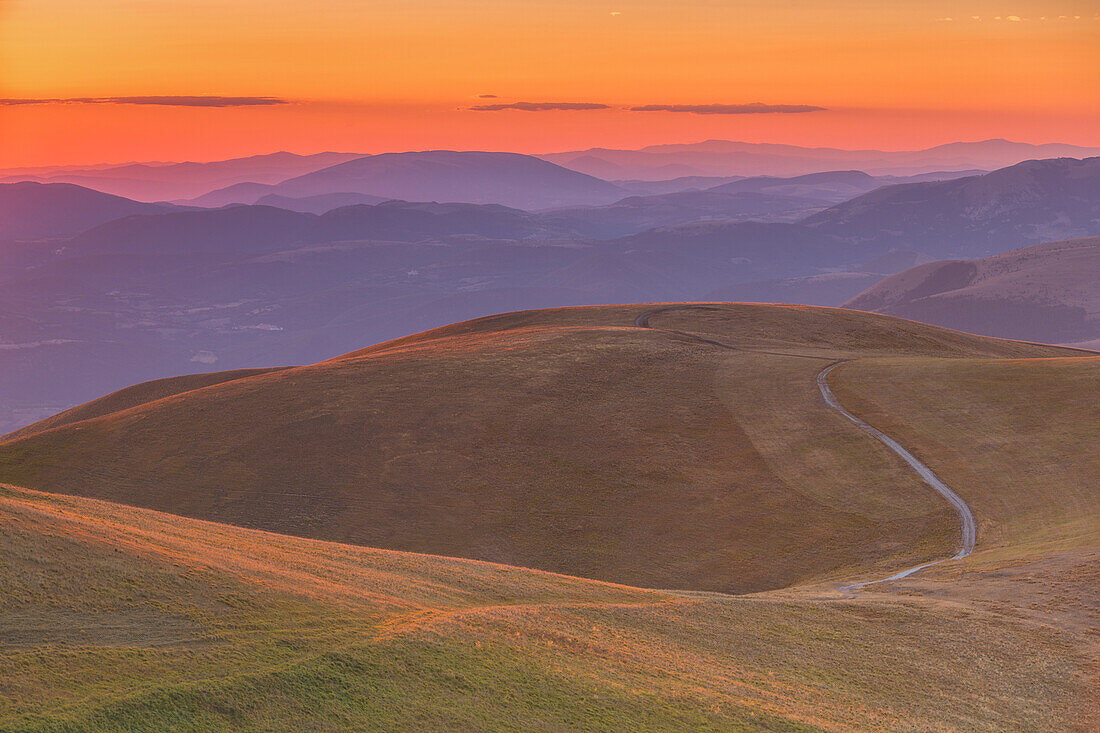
(114, 618)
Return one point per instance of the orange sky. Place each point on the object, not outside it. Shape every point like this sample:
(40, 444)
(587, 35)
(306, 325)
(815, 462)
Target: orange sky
(375, 75)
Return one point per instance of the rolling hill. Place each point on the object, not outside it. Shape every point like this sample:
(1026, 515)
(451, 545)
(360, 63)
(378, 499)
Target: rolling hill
(694, 453)
(120, 618)
(1047, 292)
(425, 444)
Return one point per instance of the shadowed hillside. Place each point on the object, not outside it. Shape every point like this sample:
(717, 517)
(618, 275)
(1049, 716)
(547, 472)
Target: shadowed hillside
(38, 210)
(1048, 292)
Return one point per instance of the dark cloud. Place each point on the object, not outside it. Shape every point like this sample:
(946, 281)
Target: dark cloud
(487, 96)
(169, 101)
(699, 109)
(539, 106)
(728, 109)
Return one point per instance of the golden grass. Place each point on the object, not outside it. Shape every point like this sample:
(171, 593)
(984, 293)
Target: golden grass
(138, 394)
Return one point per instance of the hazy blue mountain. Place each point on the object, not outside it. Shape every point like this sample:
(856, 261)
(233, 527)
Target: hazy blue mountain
(510, 179)
(316, 204)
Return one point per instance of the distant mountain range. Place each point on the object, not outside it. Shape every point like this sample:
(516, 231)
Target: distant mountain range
(763, 198)
(1048, 292)
(172, 181)
(639, 213)
(498, 177)
(160, 292)
(728, 158)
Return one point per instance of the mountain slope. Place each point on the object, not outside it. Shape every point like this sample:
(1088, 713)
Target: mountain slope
(562, 440)
(969, 216)
(39, 210)
(1027, 203)
(1047, 292)
(138, 394)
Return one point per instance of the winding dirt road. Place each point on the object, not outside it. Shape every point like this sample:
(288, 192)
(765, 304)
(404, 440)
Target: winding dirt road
(966, 516)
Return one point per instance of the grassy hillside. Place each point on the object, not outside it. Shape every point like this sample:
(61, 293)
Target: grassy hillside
(116, 618)
(566, 440)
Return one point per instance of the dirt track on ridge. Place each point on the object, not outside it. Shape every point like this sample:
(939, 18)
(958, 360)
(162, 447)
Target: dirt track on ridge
(966, 516)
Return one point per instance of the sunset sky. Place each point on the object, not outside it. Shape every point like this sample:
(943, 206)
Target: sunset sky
(378, 75)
